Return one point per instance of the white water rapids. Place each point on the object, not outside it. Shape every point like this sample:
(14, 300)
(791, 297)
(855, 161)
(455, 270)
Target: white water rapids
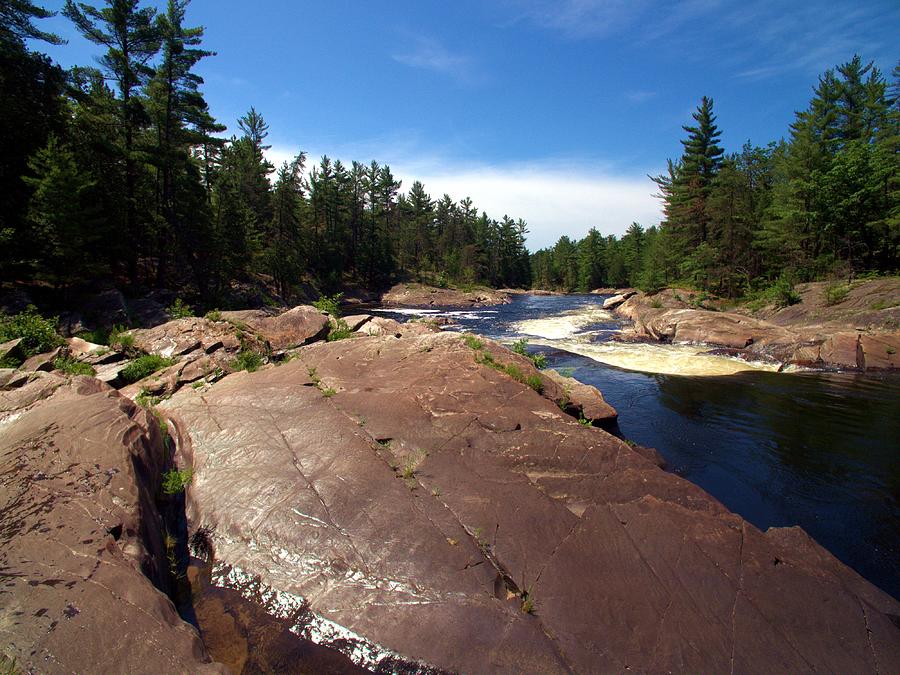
(566, 331)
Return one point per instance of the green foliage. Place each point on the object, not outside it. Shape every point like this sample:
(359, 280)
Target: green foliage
(472, 342)
(884, 304)
(327, 392)
(120, 339)
(782, 292)
(583, 421)
(836, 293)
(248, 360)
(339, 331)
(72, 367)
(37, 333)
(175, 481)
(143, 366)
(521, 347)
(214, 315)
(145, 399)
(330, 304)
(179, 309)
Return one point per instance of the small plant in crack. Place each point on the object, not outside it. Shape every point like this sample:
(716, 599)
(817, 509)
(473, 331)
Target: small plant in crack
(327, 392)
(527, 602)
(584, 421)
(313, 375)
(435, 491)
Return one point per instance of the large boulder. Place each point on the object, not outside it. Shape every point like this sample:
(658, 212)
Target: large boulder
(416, 493)
(419, 295)
(293, 328)
(183, 336)
(81, 541)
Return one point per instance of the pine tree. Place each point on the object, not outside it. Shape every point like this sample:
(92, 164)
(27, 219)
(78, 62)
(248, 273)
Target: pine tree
(131, 38)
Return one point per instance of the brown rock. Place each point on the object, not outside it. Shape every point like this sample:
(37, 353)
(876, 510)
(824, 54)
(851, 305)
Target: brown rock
(880, 352)
(422, 499)
(183, 336)
(841, 350)
(79, 348)
(11, 349)
(616, 300)
(298, 326)
(419, 295)
(355, 321)
(81, 542)
(379, 325)
(584, 400)
(41, 361)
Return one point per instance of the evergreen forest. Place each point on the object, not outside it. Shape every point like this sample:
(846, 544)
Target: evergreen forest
(120, 171)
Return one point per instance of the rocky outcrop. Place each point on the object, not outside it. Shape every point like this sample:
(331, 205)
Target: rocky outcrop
(582, 400)
(285, 330)
(81, 542)
(673, 316)
(419, 295)
(419, 493)
(182, 336)
(616, 300)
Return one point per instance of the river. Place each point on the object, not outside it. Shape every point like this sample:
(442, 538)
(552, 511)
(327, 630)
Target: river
(819, 450)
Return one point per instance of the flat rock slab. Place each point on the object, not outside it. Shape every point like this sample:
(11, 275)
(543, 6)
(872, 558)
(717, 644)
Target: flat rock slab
(292, 328)
(418, 497)
(80, 538)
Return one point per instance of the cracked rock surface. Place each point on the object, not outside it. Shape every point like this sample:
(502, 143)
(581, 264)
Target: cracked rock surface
(82, 558)
(438, 507)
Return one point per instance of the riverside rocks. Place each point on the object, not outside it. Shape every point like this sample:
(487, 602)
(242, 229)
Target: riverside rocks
(285, 330)
(410, 491)
(419, 295)
(816, 336)
(81, 542)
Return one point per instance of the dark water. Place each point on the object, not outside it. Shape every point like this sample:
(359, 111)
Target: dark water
(819, 450)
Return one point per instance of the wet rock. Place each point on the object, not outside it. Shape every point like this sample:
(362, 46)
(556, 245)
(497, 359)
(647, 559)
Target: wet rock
(421, 497)
(419, 295)
(293, 328)
(81, 542)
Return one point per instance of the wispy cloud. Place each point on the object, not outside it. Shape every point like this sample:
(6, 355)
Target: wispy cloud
(757, 39)
(554, 196)
(639, 96)
(429, 54)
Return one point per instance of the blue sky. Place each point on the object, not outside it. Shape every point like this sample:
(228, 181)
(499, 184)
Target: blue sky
(552, 111)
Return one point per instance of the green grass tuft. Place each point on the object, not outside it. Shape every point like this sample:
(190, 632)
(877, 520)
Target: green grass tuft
(175, 481)
(72, 367)
(143, 366)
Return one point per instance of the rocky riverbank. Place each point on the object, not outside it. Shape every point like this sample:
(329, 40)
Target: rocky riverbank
(859, 330)
(413, 499)
(420, 295)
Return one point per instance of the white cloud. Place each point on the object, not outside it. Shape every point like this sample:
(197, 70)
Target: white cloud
(639, 96)
(429, 54)
(555, 197)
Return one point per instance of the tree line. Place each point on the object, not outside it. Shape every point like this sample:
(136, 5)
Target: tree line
(122, 172)
(823, 203)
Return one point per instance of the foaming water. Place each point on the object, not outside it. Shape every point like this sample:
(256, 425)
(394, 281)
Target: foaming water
(563, 325)
(654, 358)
